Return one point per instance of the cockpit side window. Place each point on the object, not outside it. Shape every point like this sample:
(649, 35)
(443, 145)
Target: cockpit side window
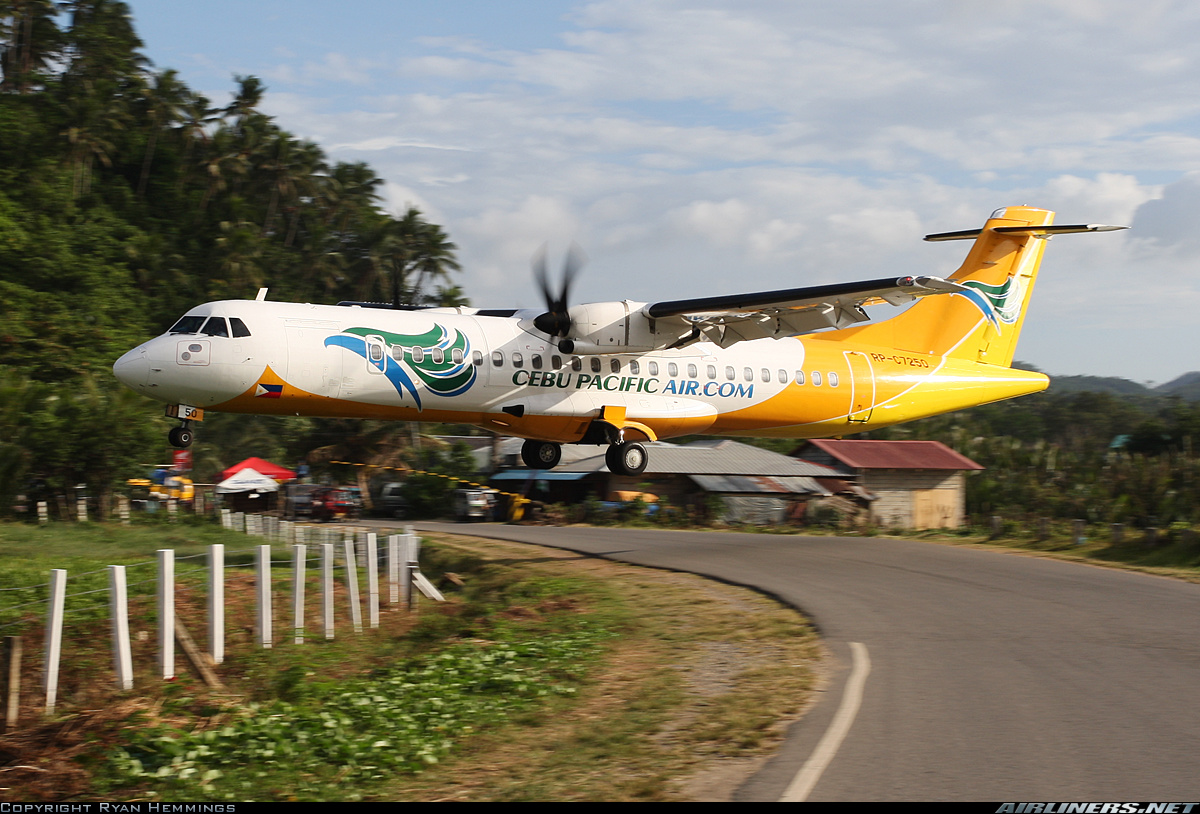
(187, 325)
(216, 327)
(238, 327)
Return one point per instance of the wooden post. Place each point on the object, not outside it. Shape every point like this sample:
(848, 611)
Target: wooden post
(166, 612)
(352, 585)
(81, 509)
(997, 526)
(119, 613)
(54, 626)
(1118, 533)
(299, 564)
(262, 590)
(372, 580)
(1079, 532)
(216, 602)
(12, 682)
(327, 589)
(1043, 528)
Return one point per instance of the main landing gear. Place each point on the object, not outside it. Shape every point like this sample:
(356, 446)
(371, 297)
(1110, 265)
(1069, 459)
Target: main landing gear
(627, 458)
(541, 454)
(181, 436)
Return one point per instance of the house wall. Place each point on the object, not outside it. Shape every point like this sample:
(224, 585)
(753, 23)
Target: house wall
(916, 499)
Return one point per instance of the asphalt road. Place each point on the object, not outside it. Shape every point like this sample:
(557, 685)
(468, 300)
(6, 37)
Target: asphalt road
(993, 676)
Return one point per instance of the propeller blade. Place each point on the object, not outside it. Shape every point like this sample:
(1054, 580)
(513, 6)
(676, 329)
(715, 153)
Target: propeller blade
(556, 321)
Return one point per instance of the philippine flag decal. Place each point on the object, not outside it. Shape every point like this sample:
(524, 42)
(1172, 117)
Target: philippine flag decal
(268, 391)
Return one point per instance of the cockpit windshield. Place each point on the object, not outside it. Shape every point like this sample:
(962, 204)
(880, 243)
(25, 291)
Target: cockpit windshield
(212, 326)
(187, 325)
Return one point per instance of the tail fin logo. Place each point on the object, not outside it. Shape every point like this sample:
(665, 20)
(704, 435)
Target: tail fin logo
(998, 303)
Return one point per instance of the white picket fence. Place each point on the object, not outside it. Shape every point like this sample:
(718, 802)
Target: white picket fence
(359, 551)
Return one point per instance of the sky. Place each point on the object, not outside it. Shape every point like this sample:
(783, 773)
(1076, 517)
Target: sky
(706, 148)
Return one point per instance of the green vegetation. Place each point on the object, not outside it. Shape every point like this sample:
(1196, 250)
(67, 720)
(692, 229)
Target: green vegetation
(126, 198)
(544, 676)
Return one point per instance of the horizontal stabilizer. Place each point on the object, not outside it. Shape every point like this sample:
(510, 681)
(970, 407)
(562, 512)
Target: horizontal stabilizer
(1040, 231)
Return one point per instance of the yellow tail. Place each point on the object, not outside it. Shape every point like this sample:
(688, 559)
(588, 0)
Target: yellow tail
(981, 323)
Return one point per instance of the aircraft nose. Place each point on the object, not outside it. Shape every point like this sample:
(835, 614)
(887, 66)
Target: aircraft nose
(133, 369)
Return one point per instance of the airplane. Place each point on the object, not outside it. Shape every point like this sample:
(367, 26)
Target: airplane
(800, 363)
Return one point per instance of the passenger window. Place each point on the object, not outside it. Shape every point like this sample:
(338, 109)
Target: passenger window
(634, 368)
(595, 364)
(653, 368)
(215, 327)
(536, 361)
(816, 378)
(672, 369)
(398, 353)
(799, 377)
(711, 370)
(833, 379)
(783, 377)
(692, 372)
(456, 356)
(748, 374)
(476, 358)
(439, 356)
(518, 359)
(376, 351)
(576, 364)
(615, 365)
(238, 327)
(187, 325)
(556, 362)
(497, 358)
(729, 374)
(418, 355)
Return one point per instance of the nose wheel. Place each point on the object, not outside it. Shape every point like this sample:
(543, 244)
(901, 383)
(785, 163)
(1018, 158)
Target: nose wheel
(628, 458)
(180, 437)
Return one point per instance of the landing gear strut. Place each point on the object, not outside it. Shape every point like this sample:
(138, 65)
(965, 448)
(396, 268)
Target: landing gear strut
(181, 436)
(627, 458)
(541, 454)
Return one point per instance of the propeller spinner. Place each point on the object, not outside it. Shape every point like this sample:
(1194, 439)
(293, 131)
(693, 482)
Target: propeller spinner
(556, 321)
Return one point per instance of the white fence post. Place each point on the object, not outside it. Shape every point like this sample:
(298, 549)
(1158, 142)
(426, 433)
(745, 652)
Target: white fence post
(43, 513)
(299, 567)
(352, 584)
(372, 580)
(407, 544)
(226, 519)
(327, 589)
(166, 612)
(393, 565)
(262, 590)
(81, 510)
(119, 613)
(216, 601)
(54, 623)
(123, 509)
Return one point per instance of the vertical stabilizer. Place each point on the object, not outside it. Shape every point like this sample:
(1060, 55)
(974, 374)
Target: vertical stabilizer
(981, 324)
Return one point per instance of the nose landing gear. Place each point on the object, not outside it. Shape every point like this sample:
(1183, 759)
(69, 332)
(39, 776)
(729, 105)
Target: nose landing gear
(181, 437)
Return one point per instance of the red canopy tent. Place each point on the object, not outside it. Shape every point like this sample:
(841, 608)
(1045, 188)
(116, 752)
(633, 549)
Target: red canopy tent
(262, 467)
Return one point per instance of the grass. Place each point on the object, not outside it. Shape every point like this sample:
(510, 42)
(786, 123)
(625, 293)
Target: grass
(545, 676)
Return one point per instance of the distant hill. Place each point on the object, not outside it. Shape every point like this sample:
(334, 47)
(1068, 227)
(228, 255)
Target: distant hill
(1102, 384)
(1186, 387)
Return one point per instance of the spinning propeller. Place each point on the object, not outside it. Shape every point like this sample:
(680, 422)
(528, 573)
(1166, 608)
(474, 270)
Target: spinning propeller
(557, 320)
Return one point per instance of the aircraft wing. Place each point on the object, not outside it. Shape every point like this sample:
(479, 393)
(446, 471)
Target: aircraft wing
(789, 312)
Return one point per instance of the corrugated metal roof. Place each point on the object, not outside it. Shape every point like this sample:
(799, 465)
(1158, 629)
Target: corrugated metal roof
(747, 484)
(719, 458)
(865, 454)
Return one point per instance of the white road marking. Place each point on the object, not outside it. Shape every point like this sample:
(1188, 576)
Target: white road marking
(804, 781)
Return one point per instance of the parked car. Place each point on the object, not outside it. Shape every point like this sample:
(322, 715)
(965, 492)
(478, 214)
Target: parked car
(391, 500)
(331, 503)
(472, 504)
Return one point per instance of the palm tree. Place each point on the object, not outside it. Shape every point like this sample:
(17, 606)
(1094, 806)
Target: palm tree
(165, 105)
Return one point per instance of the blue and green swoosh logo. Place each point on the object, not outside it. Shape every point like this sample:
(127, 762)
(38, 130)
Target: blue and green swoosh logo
(410, 356)
(998, 303)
